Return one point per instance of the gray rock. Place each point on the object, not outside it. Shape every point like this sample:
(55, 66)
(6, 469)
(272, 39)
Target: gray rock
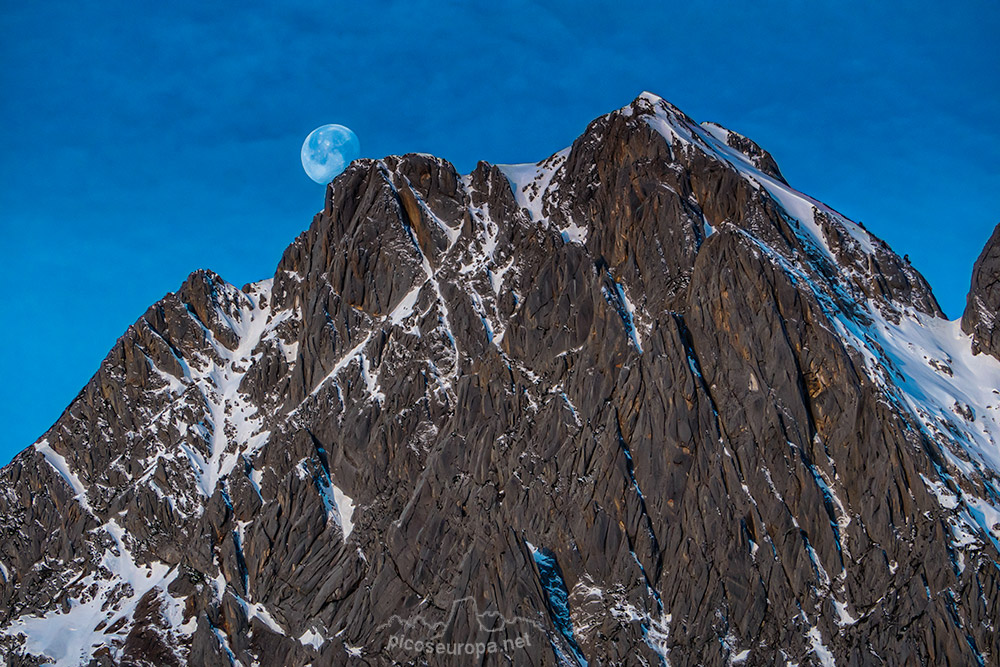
(980, 319)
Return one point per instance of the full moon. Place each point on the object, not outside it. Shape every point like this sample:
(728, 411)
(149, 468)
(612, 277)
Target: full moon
(328, 150)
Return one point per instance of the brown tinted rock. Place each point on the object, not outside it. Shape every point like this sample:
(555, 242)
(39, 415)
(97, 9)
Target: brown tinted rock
(982, 310)
(658, 423)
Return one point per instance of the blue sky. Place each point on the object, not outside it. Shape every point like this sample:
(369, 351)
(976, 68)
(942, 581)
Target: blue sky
(141, 141)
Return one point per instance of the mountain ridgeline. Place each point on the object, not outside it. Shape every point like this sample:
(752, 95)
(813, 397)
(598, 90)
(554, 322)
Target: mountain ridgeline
(641, 403)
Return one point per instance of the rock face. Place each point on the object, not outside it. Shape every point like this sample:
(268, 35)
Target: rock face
(980, 317)
(640, 402)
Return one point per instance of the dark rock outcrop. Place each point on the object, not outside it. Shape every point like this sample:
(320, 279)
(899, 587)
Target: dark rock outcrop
(757, 155)
(634, 403)
(981, 318)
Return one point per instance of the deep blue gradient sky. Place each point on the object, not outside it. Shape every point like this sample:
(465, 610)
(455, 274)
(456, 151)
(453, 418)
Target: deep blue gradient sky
(141, 141)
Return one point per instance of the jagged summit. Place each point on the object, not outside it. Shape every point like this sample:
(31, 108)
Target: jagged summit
(642, 400)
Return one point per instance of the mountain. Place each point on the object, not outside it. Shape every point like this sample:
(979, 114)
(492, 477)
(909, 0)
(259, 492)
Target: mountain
(641, 403)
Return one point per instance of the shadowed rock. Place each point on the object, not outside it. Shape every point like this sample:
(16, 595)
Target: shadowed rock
(981, 318)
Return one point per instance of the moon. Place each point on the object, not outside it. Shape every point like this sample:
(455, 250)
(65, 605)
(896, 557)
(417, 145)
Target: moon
(328, 150)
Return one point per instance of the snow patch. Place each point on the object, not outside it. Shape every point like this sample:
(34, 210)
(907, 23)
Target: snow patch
(819, 649)
(339, 506)
(58, 462)
(618, 298)
(844, 617)
(69, 638)
(740, 657)
(530, 182)
(312, 638)
(558, 599)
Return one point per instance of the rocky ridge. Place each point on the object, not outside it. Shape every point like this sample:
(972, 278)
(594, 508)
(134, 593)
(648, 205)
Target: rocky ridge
(639, 403)
(980, 317)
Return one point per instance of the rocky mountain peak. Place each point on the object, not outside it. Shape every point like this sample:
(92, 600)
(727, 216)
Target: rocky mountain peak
(640, 401)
